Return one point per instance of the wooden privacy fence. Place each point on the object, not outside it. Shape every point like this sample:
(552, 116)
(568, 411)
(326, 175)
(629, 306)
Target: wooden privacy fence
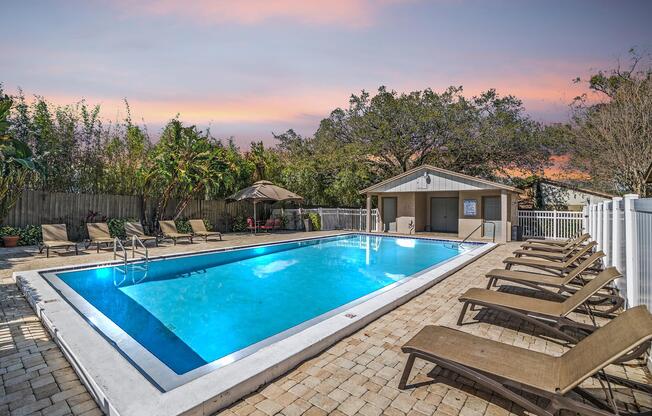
(40, 207)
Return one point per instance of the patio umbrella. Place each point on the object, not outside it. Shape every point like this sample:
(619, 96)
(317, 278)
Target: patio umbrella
(264, 191)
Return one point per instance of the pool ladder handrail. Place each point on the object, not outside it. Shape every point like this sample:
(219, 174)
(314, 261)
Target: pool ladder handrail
(117, 244)
(134, 250)
(493, 234)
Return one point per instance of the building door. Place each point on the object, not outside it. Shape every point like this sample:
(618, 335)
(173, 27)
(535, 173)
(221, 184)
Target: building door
(444, 214)
(389, 214)
(491, 213)
(491, 208)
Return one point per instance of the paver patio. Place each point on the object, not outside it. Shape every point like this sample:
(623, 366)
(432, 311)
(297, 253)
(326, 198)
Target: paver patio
(356, 376)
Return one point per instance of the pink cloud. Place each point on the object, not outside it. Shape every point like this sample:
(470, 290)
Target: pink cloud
(351, 13)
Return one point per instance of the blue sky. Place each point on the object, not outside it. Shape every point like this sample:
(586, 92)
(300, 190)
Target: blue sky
(248, 68)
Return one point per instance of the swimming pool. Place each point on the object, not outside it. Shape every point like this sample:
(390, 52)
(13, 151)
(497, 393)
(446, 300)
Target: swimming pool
(180, 317)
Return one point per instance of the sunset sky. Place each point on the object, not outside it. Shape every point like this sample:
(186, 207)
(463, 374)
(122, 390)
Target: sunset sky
(249, 68)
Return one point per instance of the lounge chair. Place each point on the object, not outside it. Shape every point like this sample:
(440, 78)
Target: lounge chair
(136, 229)
(509, 371)
(55, 236)
(555, 245)
(545, 253)
(556, 242)
(98, 234)
(277, 224)
(562, 286)
(169, 230)
(549, 315)
(542, 280)
(199, 229)
(552, 266)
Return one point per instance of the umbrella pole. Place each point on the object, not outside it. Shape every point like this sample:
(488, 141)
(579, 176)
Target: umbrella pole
(255, 223)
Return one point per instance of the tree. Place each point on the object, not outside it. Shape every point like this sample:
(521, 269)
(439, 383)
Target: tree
(612, 140)
(16, 162)
(481, 136)
(186, 165)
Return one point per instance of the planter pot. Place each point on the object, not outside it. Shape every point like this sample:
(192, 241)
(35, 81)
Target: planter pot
(10, 241)
(307, 225)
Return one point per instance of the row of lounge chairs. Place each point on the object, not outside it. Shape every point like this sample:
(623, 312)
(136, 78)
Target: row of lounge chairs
(562, 277)
(56, 235)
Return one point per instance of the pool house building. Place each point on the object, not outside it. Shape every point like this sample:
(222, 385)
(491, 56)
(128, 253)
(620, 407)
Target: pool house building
(431, 199)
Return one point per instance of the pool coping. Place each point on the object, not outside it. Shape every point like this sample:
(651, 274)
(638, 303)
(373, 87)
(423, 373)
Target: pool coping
(120, 388)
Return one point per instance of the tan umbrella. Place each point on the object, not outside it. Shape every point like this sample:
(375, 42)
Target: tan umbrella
(264, 191)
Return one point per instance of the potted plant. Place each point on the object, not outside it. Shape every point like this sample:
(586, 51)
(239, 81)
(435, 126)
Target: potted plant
(307, 224)
(10, 237)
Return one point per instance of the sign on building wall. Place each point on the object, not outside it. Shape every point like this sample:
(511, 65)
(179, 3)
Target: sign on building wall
(470, 207)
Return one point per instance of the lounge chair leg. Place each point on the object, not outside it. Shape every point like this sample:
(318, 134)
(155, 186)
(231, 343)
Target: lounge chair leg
(98, 247)
(406, 372)
(461, 318)
(491, 282)
(47, 252)
(76, 250)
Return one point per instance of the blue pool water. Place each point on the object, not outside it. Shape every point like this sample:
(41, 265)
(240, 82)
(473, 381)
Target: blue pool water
(191, 310)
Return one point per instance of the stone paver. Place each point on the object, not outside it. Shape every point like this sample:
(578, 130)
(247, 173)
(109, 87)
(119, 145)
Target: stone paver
(356, 376)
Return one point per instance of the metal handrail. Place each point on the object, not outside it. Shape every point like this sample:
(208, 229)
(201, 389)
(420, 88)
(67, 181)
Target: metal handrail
(145, 252)
(118, 244)
(493, 234)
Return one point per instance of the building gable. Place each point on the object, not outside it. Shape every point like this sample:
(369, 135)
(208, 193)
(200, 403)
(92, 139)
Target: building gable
(431, 179)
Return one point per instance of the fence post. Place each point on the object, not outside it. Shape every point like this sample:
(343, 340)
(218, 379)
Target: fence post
(615, 235)
(631, 275)
(598, 225)
(606, 243)
(554, 223)
(585, 217)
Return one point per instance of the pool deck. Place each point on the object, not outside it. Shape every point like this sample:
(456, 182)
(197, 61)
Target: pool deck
(357, 375)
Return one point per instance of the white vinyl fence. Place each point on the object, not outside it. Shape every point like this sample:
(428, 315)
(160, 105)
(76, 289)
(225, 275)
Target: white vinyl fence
(331, 218)
(622, 228)
(551, 224)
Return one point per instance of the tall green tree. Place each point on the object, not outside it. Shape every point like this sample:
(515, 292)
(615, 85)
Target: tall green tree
(187, 164)
(17, 164)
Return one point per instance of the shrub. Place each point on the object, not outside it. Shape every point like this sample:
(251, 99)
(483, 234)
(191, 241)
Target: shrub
(29, 236)
(315, 219)
(183, 226)
(239, 223)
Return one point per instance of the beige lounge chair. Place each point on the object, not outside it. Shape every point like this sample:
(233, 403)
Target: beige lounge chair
(562, 286)
(199, 229)
(55, 236)
(559, 255)
(136, 229)
(555, 245)
(552, 266)
(169, 230)
(542, 280)
(98, 234)
(549, 315)
(556, 242)
(509, 371)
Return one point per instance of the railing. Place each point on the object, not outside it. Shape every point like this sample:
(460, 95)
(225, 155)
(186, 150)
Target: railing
(622, 228)
(134, 250)
(119, 250)
(331, 218)
(551, 224)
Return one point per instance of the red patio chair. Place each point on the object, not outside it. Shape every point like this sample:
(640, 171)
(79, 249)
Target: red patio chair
(269, 225)
(277, 223)
(251, 225)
